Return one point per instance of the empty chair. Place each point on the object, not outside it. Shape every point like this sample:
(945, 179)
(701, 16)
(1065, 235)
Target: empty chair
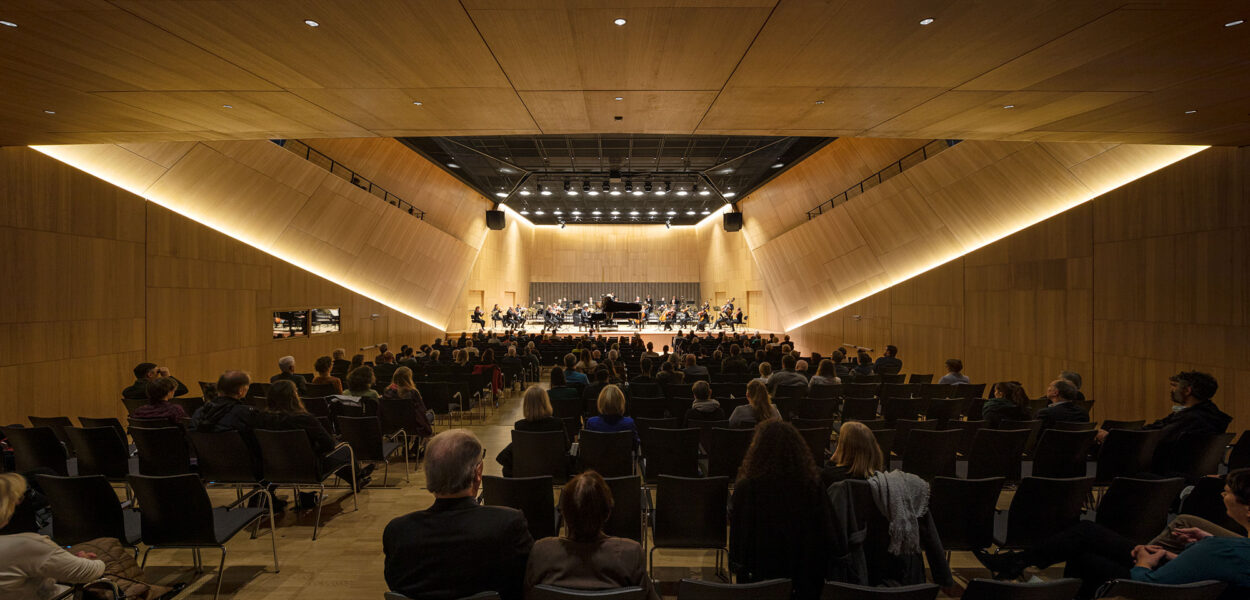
(937, 390)
(1239, 456)
(1061, 454)
(57, 425)
(319, 390)
(905, 427)
(892, 378)
(997, 453)
(772, 589)
(162, 451)
(690, 513)
(643, 425)
(85, 508)
(931, 453)
(647, 407)
(288, 460)
(178, 514)
(611, 454)
(969, 429)
(105, 422)
(726, 449)
(551, 592)
(817, 439)
(364, 435)
(835, 590)
(1040, 507)
(1034, 426)
(189, 404)
(670, 452)
(920, 378)
(963, 511)
(536, 453)
(1126, 453)
(885, 440)
(1110, 424)
(945, 409)
(1055, 589)
(1138, 508)
(860, 390)
(626, 519)
(1140, 590)
(223, 458)
(1192, 456)
(133, 404)
(859, 409)
(530, 495)
(705, 431)
(100, 452)
(37, 448)
(788, 399)
(895, 408)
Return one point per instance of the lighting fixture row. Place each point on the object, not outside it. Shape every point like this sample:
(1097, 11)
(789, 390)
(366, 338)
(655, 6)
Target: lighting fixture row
(571, 190)
(614, 212)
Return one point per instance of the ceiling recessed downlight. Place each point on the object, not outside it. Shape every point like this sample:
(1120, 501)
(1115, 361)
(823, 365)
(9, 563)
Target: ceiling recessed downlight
(618, 22)
(226, 106)
(8, 23)
(311, 23)
(730, 194)
(524, 211)
(453, 165)
(820, 102)
(706, 212)
(653, 213)
(690, 213)
(557, 212)
(615, 192)
(592, 192)
(926, 21)
(638, 192)
(49, 112)
(615, 213)
(525, 192)
(538, 212)
(417, 103)
(704, 193)
(577, 213)
(682, 192)
(633, 213)
(618, 98)
(595, 213)
(778, 165)
(1228, 24)
(1190, 112)
(1009, 106)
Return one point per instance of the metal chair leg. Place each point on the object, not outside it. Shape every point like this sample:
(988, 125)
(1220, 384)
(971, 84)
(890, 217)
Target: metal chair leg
(221, 571)
(145, 557)
(317, 520)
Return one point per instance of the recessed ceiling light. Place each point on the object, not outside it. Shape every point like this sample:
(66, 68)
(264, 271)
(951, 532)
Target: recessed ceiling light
(453, 165)
(661, 192)
(682, 192)
(633, 213)
(577, 213)
(671, 213)
(638, 192)
(592, 193)
(615, 213)
(727, 171)
(729, 194)
(417, 103)
(539, 213)
(1190, 112)
(571, 192)
(49, 112)
(525, 192)
(619, 22)
(1228, 24)
(690, 213)
(8, 23)
(618, 98)
(615, 192)
(595, 213)
(706, 212)
(557, 212)
(505, 170)
(525, 212)
(311, 23)
(545, 192)
(926, 21)
(820, 102)
(778, 165)
(226, 106)
(1009, 106)
(502, 194)
(652, 213)
(704, 193)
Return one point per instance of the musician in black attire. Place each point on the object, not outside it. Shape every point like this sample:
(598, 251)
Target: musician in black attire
(495, 316)
(477, 318)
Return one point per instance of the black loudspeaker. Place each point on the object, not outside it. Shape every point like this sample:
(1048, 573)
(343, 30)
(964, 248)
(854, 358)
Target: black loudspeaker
(733, 221)
(494, 220)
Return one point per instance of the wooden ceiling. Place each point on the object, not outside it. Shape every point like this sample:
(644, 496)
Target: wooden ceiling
(1094, 70)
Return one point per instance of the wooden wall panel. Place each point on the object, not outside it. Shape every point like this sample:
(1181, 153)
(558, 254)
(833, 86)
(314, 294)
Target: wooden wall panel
(726, 264)
(502, 266)
(614, 253)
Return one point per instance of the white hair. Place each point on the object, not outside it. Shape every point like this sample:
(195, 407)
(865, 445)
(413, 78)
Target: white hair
(286, 363)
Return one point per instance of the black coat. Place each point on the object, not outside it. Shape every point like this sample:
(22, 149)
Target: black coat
(139, 389)
(781, 534)
(1064, 412)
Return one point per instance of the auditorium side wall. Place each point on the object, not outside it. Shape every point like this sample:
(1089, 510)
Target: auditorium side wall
(99, 280)
(1127, 289)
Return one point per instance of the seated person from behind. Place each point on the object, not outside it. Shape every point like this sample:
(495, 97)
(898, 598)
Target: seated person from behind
(286, 371)
(765, 371)
(865, 364)
(585, 558)
(954, 372)
(31, 564)
(160, 391)
(341, 365)
(385, 366)
(825, 375)
(360, 389)
(1191, 391)
(537, 413)
(404, 391)
(322, 366)
(1096, 554)
(1063, 407)
(757, 409)
(694, 371)
(644, 372)
(284, 411)
(611, 415)
(590, 395)
(888, 363)
(787, 375)
(704, 408)
(1009, 403)
(572, 375)
(857, 455)
(668, 374)
(456, 548)
(226, 412)
(144, 374)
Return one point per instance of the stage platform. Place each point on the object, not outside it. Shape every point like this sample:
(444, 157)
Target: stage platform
(654, 334)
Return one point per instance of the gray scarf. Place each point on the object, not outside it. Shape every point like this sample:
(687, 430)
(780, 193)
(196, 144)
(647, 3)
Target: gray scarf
(903, 498)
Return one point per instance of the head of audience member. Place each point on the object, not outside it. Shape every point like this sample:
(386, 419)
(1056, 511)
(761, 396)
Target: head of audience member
(12, 491)
(611, 401)
(338, 353)
(596, 355)
(825, 369)
(146, 370)
(891, 350)
(286, 364)
(557, 377)
(161, 390)
(1061, 390)
(585, 503)
(233, 384)
(645, 367)
(837, 357)
(858, 451)
(1013, 392)
(954, 365)
(690, 360)
(766, 369)
(511, 351)
(757, 397)
(402, 379)
(434, 354)
(602, 374)
(734, 351)
(1192, 387)
(535, 405)
(665, 352)
(453, 464)
(322, 366)
(284, 398)
(801, 366)
(702, 391)
(386, 358)
(788, 362)
(382, 348)
(488, 357)
(358, 360)
(569, 361)
(361, 379)
(666, 367)
(779, 454)
(864, 359)
(1236, 496)
(650, 347)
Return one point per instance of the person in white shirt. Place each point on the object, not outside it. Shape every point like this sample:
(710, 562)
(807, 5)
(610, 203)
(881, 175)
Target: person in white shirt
(32, 564)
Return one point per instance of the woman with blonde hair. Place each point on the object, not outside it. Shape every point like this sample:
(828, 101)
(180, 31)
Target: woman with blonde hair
(766, 371)
(403, 390)
(611, 417)
(537, 417)
(757, 409)
(857, 456)
(32, 564)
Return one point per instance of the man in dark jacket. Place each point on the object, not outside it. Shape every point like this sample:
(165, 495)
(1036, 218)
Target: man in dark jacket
(888, 363)
(145, 372)
(1196, 416)
(226, 412)
(341, 364)
(286, 370)
(1063, 407)
(456, 548)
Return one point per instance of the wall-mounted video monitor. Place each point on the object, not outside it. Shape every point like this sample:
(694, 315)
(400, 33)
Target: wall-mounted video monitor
(290, 324)
(325, 320)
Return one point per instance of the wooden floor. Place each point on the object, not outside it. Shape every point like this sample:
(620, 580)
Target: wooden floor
(346, 560)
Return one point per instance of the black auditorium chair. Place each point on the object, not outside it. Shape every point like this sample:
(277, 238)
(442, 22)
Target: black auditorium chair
(57, 425)
(989, 589)
(530, 495)
(997, 453)
(931, 453)
(1039, 508)
(611, 454)
(696, 589)
(1137, 508)
(364, 435)
(691, 513)
(551, 592)
(536, 453)
(670, 452)
(963, 511)
(85, 508)
(100, 452)
(162, 450)
(36, 448)
(725, 450)
(626, 518)
(1061, 454)
(1126, 453)
(288, 460)
(1128, 589)
(105, 422)
(835, 590)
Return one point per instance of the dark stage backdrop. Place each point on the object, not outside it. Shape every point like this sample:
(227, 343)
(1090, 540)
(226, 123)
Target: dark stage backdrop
(624, 291)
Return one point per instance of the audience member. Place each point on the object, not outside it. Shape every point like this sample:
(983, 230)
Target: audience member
(704, 408)
(766, 371)
(780, 524)
(757, 409)
(403, 390)
(888, 363)
(825, 375)
(668, 375)
(1007, 403)
(160, 391)
(644, 373)
(694, 371)
(456, 548)
(865, 364)
(787, 375)
(286, 371)
(857, 455)
(537, 416)
(735, 364)
(611, 417)
(840, 368)
(650, 353)
(382, 349)
(954, 372)
(385, 366)
(144, 374)
(1194, 413)
(360, 390)
(585, 558)
(1095, 554)
(1063, 407)
(284, 411)
(358, 360)
(590, 395)
(31, 565)
(323, 365)
(341, 365)
(571, 374)
(1075, 378)
(226, 412)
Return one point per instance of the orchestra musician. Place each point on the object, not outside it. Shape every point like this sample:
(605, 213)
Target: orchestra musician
(495, 317)
(477, 318)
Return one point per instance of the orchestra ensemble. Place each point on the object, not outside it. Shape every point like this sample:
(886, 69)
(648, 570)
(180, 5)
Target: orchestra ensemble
(610, 313)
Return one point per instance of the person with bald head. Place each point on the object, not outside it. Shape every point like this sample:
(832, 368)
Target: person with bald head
(456, 548)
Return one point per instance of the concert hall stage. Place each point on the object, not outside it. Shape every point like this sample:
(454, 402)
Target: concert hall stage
(650, 333)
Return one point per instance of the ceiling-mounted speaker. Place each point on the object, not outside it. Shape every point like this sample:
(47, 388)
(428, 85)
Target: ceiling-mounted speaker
(733, 221)
(495, 220)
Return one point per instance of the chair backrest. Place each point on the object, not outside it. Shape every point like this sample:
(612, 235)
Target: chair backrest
(536, 453)
(398, 413)
(609, 453)
(224, 457)
(57, 424)
(551, 592)
(644, 424)
(1042, 506)
(885, 441)
(725, 450)
(895, 408)
(1061, 454)
(937, 390)
(319, 390)
(176, 510)
(436, 397)
(1033, 425)
(989, 589)
(287, 456)
(1074, 425)
(859, 408)
(1239, 456)
(892, 377)
(905, 427)
(691, 512)
(647, 407)
(963, 511)
(530, 495)
(625, 520)
(671, 452)
(133, 404)
(1192, 456)
(83, 508)
(920, 378)
(1110, 424)
(697, 589)
(99, 452)
(1138, 508)
(817, 439)
(1206, 500)
(36, 448)
(945, 409)
(364, 435)
(861, 390)
(835, 590)
(1140, 590)
(997, 453)
(189, 404)
(106, 422)
(970, 429)
(1126, 453)
(932, 453)
(162, 451)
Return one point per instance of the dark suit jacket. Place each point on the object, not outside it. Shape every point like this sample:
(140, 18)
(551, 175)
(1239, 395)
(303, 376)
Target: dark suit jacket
(139, 389)
(456, 549)
(385, 371)
(300, 384)
(888, 365)
(1065, 412)
(340, 367)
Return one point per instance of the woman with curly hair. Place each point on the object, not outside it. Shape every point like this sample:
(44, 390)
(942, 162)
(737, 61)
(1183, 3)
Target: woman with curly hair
(779, 522)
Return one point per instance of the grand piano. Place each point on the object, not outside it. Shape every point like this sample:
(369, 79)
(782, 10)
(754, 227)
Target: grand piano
(612, 310)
